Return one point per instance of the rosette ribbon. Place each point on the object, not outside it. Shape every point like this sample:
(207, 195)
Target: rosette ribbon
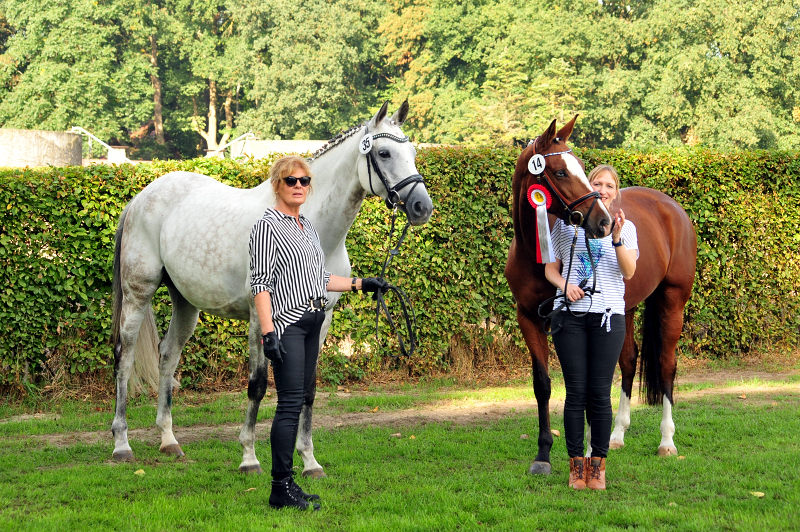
(540, 200)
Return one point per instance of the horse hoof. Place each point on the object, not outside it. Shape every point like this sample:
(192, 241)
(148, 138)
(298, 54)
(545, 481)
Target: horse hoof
(122, 456)
(173, 450)
(615, 444)
(315, 473)
(540, 468)
(665, 450)
(254, 469)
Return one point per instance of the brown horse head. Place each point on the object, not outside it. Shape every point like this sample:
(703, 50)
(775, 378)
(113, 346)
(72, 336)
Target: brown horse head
(564, 176)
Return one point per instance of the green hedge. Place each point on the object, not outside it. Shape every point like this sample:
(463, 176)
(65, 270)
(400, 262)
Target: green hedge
(56, 251)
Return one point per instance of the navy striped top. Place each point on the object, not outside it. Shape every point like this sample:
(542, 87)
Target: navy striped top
(288, 262)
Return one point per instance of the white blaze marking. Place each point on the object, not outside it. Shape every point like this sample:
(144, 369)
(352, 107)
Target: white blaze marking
(574, 168)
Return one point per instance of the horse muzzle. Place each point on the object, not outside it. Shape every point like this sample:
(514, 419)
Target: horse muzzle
(418, 206)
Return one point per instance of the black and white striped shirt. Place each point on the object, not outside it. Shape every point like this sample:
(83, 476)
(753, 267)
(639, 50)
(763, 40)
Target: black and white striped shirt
(609, 279)
(288, 262)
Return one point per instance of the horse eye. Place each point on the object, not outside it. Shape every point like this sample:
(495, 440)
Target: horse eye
(561, 173)
(384, 153)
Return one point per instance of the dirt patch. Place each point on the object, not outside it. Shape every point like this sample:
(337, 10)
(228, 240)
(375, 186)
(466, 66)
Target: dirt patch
(473, 413)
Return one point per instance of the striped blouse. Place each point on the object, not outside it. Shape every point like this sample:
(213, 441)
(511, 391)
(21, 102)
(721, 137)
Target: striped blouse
(609, 279)
(288, 262)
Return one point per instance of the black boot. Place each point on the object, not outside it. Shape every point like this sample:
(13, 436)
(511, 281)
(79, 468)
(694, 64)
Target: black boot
(300, 493)
(284, 496)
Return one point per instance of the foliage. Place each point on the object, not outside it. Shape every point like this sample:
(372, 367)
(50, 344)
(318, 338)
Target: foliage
(58, 223)
(715, 73)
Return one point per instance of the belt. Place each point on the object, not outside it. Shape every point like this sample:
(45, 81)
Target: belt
(317, 304)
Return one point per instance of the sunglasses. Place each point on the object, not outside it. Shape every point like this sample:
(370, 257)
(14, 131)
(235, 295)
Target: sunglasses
(292, 181)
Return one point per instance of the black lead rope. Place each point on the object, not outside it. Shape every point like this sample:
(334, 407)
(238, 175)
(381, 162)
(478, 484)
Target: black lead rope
(409, 317)
(548, 318)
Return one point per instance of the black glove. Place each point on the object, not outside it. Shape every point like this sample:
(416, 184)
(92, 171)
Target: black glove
(273, 349)
(374, 284)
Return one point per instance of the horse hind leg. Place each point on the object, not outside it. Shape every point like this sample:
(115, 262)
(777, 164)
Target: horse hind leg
(135, 314)
(627, 366)
(181, 326)
(671, 306)
(256, 389)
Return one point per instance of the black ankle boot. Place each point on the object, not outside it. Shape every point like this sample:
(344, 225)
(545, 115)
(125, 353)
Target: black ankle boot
(284, 496)
(300, 493)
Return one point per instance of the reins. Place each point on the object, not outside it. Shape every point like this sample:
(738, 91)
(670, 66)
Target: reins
(393, 201)
(569, 217)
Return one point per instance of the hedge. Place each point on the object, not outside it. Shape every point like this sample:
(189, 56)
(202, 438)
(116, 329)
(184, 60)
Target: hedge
(56, 251)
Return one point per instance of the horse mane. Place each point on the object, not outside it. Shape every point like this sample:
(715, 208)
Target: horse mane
(335, 141)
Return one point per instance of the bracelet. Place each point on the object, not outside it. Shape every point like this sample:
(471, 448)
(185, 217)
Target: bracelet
(353, 285)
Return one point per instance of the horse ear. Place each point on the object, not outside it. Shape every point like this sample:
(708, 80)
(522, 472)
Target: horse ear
(380, 115)
(546, 138)
(400, 116)
(566, 131)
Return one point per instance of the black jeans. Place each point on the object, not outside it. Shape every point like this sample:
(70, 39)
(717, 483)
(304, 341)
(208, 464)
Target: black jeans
(588, 355)
(292, 378)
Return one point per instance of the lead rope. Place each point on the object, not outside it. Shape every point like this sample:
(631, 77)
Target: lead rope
(548, 318)
(405, 302)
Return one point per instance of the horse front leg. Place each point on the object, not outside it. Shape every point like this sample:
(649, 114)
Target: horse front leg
(536, 341)
(627, 366)
(305, 444)
(256, 389)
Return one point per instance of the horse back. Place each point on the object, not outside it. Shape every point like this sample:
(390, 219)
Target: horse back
(667, 243)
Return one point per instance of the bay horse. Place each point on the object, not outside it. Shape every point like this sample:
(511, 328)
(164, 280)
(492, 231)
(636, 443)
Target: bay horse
(191, 233)
(663, 280)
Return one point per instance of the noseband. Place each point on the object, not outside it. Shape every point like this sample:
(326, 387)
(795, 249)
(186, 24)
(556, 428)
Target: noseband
(392, 192)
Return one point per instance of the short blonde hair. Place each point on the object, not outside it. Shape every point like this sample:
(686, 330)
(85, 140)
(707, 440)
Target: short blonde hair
(597, 170)
(284, 167)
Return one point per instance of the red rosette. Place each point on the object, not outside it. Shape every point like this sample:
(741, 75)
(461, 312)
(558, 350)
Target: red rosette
(544, 193)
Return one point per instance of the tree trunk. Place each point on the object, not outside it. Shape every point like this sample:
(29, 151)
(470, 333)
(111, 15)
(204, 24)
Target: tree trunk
(210, 134)
(228, 117)
(158, 118)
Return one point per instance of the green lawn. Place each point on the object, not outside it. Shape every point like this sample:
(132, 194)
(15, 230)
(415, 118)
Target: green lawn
(447, 477)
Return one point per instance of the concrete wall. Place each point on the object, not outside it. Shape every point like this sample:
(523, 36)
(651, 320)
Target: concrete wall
(24, 147)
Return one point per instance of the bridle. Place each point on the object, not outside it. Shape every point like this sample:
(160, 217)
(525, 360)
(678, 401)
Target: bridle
(392, 192)
(580, 221)
(569, 208)
(392, 201)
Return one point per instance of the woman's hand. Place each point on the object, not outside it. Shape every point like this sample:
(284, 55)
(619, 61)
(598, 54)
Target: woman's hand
(619, 221)
(574, 292)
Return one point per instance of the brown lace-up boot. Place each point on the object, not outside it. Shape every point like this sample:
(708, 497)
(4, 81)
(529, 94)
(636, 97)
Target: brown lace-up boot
(577, 473)
(596, 475)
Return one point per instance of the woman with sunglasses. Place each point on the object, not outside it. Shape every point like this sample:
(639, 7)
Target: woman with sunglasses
(290, 284)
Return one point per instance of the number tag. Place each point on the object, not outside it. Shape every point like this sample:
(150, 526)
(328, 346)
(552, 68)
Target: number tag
(536, 164)
(365, 146)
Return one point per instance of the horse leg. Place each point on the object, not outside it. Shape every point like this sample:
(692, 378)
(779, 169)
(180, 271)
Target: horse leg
(181, 326)
(134, 312)
(627, 366)
(256, 389)
(671, 304)
(304, 444)
(536, 341)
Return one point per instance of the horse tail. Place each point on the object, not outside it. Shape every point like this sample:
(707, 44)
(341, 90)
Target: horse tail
(650, 368)
(145, 353)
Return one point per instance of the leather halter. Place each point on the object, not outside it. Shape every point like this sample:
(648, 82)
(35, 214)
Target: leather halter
(569, 208)
(392, 192)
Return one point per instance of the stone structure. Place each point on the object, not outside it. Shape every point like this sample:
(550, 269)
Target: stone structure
(24, 147)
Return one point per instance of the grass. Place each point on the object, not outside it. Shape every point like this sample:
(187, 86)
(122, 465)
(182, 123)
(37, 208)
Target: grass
(447, 477)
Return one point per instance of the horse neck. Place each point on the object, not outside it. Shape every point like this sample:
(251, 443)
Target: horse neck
(338, 194)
